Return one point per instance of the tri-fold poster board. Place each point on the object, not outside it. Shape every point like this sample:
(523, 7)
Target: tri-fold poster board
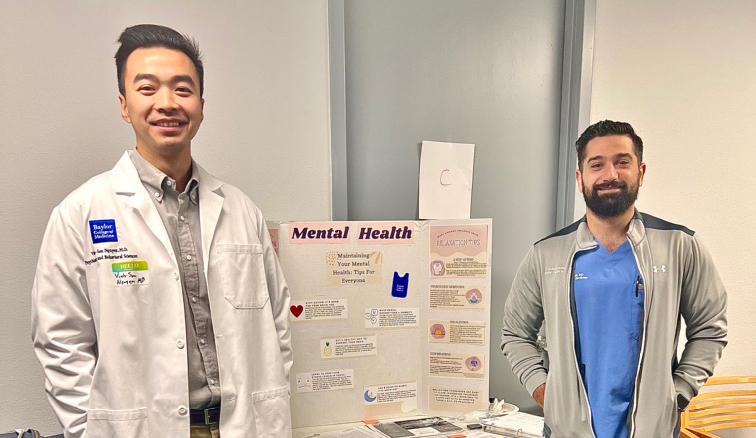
(388, 318)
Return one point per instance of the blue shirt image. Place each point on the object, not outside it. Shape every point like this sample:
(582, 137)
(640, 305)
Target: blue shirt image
(608, 299)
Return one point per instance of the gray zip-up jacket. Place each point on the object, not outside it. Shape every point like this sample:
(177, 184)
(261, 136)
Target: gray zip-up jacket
(680, 281)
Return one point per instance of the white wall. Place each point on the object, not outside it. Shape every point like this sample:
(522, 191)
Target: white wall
(266, 129)
(683, 72)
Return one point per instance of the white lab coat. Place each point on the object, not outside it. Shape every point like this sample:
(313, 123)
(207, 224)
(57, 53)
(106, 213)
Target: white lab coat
(114, 356)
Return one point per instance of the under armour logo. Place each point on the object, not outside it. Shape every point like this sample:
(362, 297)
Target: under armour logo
(663, 268)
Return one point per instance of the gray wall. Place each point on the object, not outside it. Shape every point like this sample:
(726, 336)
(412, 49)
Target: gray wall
(483, 72)
(265, 129)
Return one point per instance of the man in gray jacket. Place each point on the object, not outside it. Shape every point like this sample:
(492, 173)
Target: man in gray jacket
(610, 291)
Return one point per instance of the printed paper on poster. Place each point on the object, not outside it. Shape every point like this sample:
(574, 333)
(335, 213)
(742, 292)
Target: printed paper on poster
(457, 296)
(456, 399)
(319, 309)
(457, 332)
(459, 251)
(459, 365)
(386, 233)
(404, 393)
(318, 233)
(351, 346)
(325, 380)
(354, 267)
(391, 317)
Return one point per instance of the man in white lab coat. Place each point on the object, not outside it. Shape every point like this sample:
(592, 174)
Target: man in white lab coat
(159, 308)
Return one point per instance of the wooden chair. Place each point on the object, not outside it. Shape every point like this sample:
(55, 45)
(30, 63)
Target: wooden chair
(720, 406)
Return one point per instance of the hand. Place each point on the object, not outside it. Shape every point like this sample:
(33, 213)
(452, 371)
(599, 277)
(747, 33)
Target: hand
(539, 394)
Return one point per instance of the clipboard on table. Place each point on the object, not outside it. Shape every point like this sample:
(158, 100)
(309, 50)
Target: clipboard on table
(515, 425)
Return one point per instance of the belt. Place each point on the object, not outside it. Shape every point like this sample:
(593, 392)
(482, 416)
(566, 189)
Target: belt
(205, 417)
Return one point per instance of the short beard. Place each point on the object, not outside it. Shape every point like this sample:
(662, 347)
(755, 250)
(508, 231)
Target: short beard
(610, 206)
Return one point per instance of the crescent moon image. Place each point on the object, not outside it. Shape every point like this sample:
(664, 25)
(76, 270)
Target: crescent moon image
(368, 398)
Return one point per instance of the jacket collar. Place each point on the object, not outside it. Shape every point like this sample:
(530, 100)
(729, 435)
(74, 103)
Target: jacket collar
(636, 232)
(128, 186)
(211, 205)
(126, 180)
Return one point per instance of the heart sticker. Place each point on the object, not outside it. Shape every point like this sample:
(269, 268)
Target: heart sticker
(296, 310)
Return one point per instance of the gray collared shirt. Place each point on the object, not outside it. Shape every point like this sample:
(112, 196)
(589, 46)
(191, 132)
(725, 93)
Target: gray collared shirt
(180, 213)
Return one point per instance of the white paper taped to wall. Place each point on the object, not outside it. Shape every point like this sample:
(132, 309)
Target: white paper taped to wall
(446, 176)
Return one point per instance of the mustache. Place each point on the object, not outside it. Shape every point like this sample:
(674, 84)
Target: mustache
(616, 184)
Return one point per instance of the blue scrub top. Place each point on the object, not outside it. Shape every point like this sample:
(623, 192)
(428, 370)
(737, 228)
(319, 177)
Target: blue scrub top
(608, 298)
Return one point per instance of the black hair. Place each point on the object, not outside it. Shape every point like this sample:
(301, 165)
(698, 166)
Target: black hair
(605, 128)
(153, 35)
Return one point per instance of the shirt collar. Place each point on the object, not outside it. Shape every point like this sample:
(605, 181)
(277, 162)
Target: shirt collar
(193, 185)
(157, 182)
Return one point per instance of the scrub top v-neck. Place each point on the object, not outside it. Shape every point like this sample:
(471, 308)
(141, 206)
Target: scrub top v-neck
(608, 299)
